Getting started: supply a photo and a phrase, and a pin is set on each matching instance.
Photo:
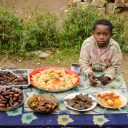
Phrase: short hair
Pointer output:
(103, 22)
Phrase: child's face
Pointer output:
(102, 35)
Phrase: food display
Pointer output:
(13, 78)
(54, 79)
(43, 103)
(111, 99)
(80, 101)
(10, 98)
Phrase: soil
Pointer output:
(27, 6)
(55, 6)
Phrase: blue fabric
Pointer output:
(99, 117)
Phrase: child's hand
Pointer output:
(104, 80)
(93, 79)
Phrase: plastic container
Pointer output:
(75, 68)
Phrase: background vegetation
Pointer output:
(20, 36)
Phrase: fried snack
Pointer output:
(43, 103)
(52, 79)
(110, 99)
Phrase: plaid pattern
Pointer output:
(92, 58)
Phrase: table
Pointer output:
(63, 117)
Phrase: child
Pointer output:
(100, 53)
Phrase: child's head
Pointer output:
(102, 31)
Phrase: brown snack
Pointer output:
(8, 78)
(80, 102)
(72, 103)
(10, 98)
(77, 106)
(43, 103)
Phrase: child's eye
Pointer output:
(98, 34)
(106, 34)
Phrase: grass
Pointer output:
(64, 57)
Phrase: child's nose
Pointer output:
(101, 36)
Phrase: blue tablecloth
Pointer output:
(64, 117)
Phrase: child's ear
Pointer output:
(111, 34)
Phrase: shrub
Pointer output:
(42, 31)
(120, 33)
(78, 25)
(10, 31)
(20, 36)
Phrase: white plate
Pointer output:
(72, 95)
(122, 98)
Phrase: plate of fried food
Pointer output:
(54, 79)
(80, 102)
(111, 99)
(43, 103)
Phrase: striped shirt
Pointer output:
(92, 58)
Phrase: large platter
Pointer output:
(122, 98)
(67, 71)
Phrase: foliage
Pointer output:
(10, 31)
(120, 33)
(21, 36)
(42, 31)
(78, 24)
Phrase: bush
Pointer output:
(42, 31)
(10, 31)
(120, 33)
(20, 36)
(78, 25)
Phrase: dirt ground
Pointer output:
(27, 6)
(57, 7)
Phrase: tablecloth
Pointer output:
(64, 117)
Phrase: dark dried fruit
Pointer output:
(10, 98)
(8, 78)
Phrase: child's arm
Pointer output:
(84, 59)
(115, 63)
